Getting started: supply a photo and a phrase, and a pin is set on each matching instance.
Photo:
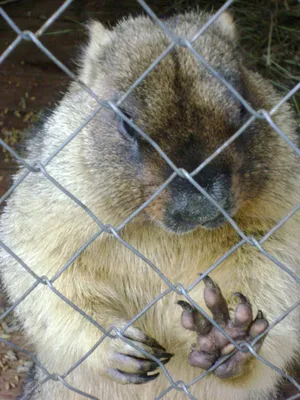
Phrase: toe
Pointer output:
(187, 316)
(228, 369)
(193, 320)
(258, 326)
(206, 344)
(201, 359)
(234, 366)
(243, 312)
(215, 301)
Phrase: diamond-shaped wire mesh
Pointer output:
(40, 167)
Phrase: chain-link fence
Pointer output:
(40, 167)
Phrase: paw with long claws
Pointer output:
(129, 365)
(211, 343)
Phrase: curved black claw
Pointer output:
(126, 378)
(242, 299)
(260, 315)
(142, 365)
(164, 355)
(209, 283)
(153, 343)
(185, 306)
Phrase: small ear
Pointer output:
(227, 24)
(99, 37)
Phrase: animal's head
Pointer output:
(185, 110)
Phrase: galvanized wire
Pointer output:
(39, 166)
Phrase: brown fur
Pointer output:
(189, 114)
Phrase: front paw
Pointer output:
(125, 364)
(211, 343)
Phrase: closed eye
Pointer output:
(127, 130)
(243, 111)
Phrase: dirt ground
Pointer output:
(29, 83)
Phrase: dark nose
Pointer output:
(189, 205)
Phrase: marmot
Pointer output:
(113, 170)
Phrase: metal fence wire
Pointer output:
(40, 167)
